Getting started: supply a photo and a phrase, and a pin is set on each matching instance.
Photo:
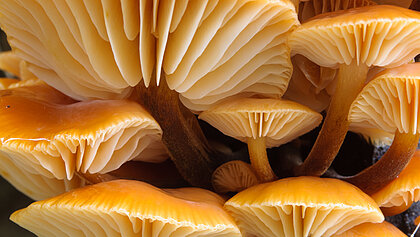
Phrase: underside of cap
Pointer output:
(384, 229)
(56, 140)
(77, 49)
(128, 208)
(302, 206)
(250, 38)
(379, 35)
(101, 49)
(390, 102)
(279, 121)
(33, 185)
(233, 176)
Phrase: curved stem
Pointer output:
(182, 135)
(389, 166)
(351, 79)
(259, 161)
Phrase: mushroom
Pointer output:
(352, 40)
(262, 123)
(129, 208)
(389, 102)
(233, 176)
(302, 206)
(101, 49)
(384, 229)
(398, 195)
(45, 132)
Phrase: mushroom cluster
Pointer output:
(117, 117)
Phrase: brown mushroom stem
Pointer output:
(350, 81)
(182, 135)
(259, 161)
(389, 166)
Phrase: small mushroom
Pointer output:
(262, 123)
(302, 206)
(233, 176)
(129, 208)
(389, 102)
(352, 40)
(398, 195)
(384, 229)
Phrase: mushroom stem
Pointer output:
(389, 166)
(182, 135)
(350, 81)
(259, 161)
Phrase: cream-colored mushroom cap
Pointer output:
(379, 35)
(398, 195)
(84, 49)
(390, 101)
(101, 49)
(211, 50)
(384, 229)
(302, 206)
(129, 208)
(47, 133)
(279, 121)
(233, 176)
(34, 185)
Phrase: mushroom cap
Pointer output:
(33, 185)
(128, 208)
(384, 229)
(53, 137)
(279, 121)
(233, 176)
(390, 101)
(87, 54)
(6, 82)
(302, 206)
(312, 8)
(252, 55)
(77, 49)
(380, 35)
(402, 191)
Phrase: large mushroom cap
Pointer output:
(384, 229)
(379, 35)
(100, 49)
(302, 206)
(390, 101)
(129, 208)
(279, 121)
(55, 137)
(398, 195)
